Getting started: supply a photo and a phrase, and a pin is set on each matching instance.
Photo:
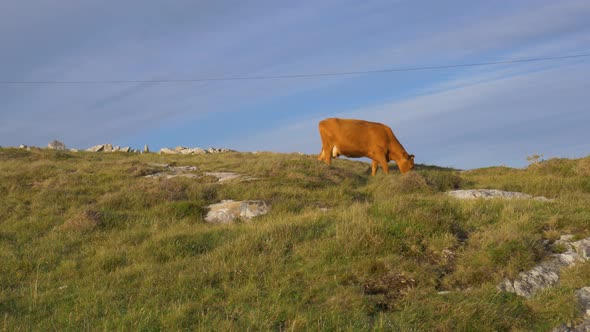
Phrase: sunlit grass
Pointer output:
(88, 243)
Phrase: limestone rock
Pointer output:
(159, 165)
(22, 146)
(168, 151)
(492, 193)
(216, 150)
(146, 149)
(166, 175)
(126, 149)
(56, 145)
(172, 172)
(116, 148)
(198, 151)
(583, 297)
(547, 273)
(229, 211)
(177, 169)
(186, 151)
(96, 148)
(582, 247)
(228, 176)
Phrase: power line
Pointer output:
(342, 73)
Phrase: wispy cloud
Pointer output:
(492, 122)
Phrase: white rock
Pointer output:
(168, 151)
(172, 172)
(547, 273)
(583, 297)
(229, 211)
(96, 148)
(56, 145)
(197, 151)
(227, 176)
(492, 193)
(159, 165)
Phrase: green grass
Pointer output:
(88, 243)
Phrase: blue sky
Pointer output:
(462, 117)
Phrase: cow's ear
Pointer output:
(412, 156)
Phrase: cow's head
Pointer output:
(406, 163)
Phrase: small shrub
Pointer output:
(141, 170)
(534, 159)
(112, 219)
(186, 245)
(384, 286)
(443, 181)
(84, 221)
(173, 189)
(113, 261)
(554, 166)
(9, 154)
(391, 185)
(61, 155)
(582, 167)
(186, 210)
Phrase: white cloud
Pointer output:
(138, 40)
(494, 122)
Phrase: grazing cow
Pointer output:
(358, 138)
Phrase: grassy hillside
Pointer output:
(88, 243)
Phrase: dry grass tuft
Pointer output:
(84, 221)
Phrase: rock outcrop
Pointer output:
(174, 171)
(492, 193)
(169, 172)
(109, 148)
(197, 150)
(229, 211)
(96, 148)
(583, 297)
(229, 176)
(547, 273)
(56, 145)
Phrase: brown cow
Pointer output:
(358, 138)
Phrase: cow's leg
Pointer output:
(328, 159)
(373, 167)
(383, 162)
(326, 154)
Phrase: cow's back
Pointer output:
(355, 138)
